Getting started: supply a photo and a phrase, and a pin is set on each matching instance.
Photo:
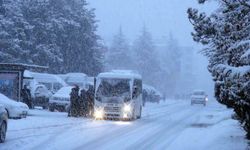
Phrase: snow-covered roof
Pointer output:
(62, 76)
(20, 66)
(90, 80)
(124, 74)
(27, 74)
(75, 77)
(198, 90)
(45, 77)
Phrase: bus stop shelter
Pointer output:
(11, 78)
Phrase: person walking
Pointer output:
(83, 103)
(26, 96)
(74, 102)
(90, 99)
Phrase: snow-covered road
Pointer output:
(173, 125)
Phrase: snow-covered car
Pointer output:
(3, 123)
(150, 94)
(52, 82)
(14, 109)
(199, 97)
(40, 96)
(72, 79)
(39, 92)
(61, 99)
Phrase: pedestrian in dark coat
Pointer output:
(90, 99)
(83, 103)
(74, 102)
(26, 96)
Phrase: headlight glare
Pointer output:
(125, 115)
(127, 108)
(206, 99)
(99, 113)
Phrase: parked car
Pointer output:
(40, 96)
(52, 82)
(15, 110)
(3, 123)
(60, 100)
(150, 94)
(199, 97)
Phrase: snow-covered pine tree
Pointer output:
(59, 34)
(171, 63)
(225, 33)
(118, 56)
(145, 60)
(14, 33)
(43, 46)
(80, 45)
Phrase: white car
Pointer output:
(61, 99)
(199, 97)
(40, 96)
(151, 94)
(15, 110)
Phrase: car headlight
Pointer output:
(99, 113)
(127, 108)
(206, 99)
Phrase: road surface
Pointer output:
(169, 125)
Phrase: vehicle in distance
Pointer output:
(151, 94)
(60, 100)
(40, 96)
(199, 97)
(118, 95)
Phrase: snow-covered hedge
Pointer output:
(225, 33)
(233, 89)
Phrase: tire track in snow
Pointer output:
(56, 130)
(123, 132)
(166, 134)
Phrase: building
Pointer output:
(11, 78)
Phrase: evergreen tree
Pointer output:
(226, 36)
(14, 30)
(44, 50)
(145, 58)
(59, 34)
(81, 48)
(119, 53)
(171, 64)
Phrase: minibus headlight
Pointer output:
(127, 108)
(99, 113)
(206, 99)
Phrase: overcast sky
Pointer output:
(160, 17)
